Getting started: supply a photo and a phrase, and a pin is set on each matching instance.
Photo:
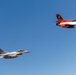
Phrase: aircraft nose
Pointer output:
(26, 51)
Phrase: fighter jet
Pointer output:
(9, 55)
(65, 23)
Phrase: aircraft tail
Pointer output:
(59, 17)
(1, 51)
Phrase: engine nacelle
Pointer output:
(8, 57)
(19, 54)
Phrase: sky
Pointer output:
(31, 25)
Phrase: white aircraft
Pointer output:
(9, 55)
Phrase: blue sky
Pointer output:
(30, 24)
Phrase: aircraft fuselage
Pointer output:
(65, 23)
(8, 55)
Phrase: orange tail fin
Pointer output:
(59, 17)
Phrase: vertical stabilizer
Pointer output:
(59, 18)
(1, 51)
